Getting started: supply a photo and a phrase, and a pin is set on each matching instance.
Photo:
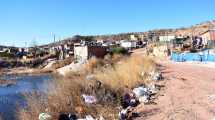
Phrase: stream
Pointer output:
(11, 96)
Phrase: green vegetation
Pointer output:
(7, 55)
(119, 50)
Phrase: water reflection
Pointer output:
(12, 95)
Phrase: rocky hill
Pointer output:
(196, 29)
(184, 31)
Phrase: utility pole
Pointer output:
(54, 36)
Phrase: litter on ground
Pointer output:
(45, 116)
(89, 99)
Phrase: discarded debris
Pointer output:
(156, 76)
(140, 91)
(144, 99)
(128, 100)
(123, 114)
(143, 94)
(90, 77)
(211, 97)
(89, 117)
(69, 116)
(89, 99)
(45, 116)
(127, 114)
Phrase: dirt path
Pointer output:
(185, 95)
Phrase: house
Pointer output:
(208, 37)
(166, 38)
(4, 49)
(83, 53)
(128, 44)
(133, 37)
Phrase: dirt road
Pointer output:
(189, 94)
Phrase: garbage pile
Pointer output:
(69, 116)
(156, 76)
(142, 94)
(96, 92)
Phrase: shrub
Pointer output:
(65, 95)
(126, 73)
(93, 64)
(119, 50)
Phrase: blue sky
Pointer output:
(24, 21)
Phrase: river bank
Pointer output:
(23, 70)
(14, 87)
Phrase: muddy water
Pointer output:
(12, 95)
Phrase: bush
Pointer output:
(107, 86)
(127, 73)
(7, 55)
(65, 97)
(119, 50)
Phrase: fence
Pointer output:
(202, 56)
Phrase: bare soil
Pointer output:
(187, 95)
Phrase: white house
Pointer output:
(128, 44)
(166, 38)
(133, 37)
(83, 53)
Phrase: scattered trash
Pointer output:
(89, 99)
(144, 99)
(140, 91)
(90, 77)
(69, 116)
(127, 114)
(153, 88)
(89, 117)
(143, 94)
(45, 116)
(128, 100)
(211, 97)
(101, 118)
(156, 76)
(123, 114)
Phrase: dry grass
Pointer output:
(65, 96)
(93, 64)
(129, 72)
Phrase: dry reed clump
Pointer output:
(129, 72)
(93, 64)
(65, 95)
(66, 98)
(62, 63)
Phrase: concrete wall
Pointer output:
(203, 56)
(206, 37)
(212, 35)
(96, 51)
(81, 53)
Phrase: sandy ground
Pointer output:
(189, 93)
